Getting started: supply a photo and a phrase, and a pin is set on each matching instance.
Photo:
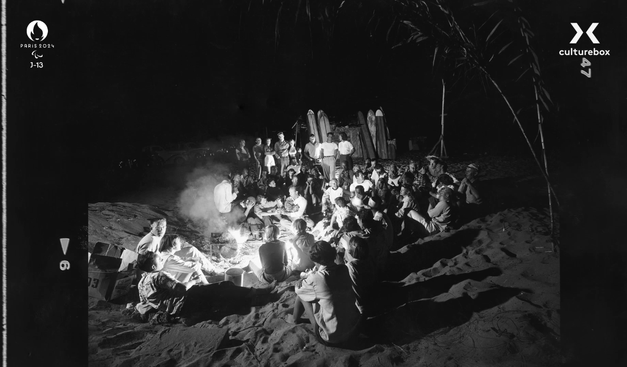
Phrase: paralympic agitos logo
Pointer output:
(577, 37)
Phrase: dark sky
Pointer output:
(179, 71)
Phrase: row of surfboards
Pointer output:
(374, 133)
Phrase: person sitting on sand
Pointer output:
(181, 270)
(272, 257)
(294, 208)
(341, 212)
(267, 210)
(273, 192)
(326, 295)
(435, 169)
(162, 298)
(378, 173)
(152, 241)
(225, 195)
(439, 217)
(380, 230)
(361, 181)
(330, 194)
(362, 272)
(443, 182)
(298, 250)
(312, 194)
(382, 191)
(407, 202)
(470, 188)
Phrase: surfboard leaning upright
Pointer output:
(369, 152)
(325, 126)
(312, 124)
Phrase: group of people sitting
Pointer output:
(342, 230)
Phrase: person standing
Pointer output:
(346, 150)
(281, 150)
(312, 151)
(243, 155)
(268, 160)
(258, 154)
(328, 153)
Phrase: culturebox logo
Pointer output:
(590, 35)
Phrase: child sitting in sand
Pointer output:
(326, 295)
(163, 298)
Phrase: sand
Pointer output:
(487, 293)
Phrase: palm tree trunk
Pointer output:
(544, 172)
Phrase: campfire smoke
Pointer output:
(196, 201)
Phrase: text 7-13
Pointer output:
(38, 64)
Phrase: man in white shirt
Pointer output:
(295, 210)
(312, 151)
(330, 194)
(360, 180)
(328, 153)
(346, 150)
(224, 195)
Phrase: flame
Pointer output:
(238, 236)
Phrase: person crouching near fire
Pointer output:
(163, 299)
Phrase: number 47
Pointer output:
(586, 63)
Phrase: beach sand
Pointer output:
(487, 293)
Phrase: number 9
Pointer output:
(64, 265)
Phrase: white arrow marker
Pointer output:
(64, 243)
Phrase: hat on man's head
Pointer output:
(432, 157)
(279, 133)
(474, 166)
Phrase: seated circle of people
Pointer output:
(337, 260)
(162, 298)
(325, 295)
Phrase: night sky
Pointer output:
(130, 74)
